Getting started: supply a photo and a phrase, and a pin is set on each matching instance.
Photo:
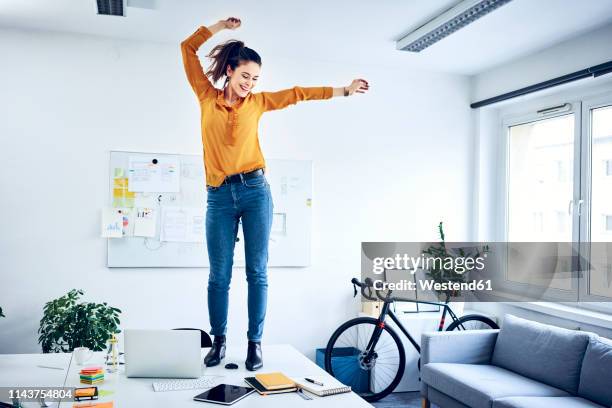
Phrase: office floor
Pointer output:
(401, 399)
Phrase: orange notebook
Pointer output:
(94, 405)
(275, 381)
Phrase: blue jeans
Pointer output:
(251, 202)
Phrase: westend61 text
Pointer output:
(477, 285)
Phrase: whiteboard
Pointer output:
(290, 239)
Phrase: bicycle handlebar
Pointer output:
(368, 284)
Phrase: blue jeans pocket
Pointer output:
(211, 188)
(255, 182)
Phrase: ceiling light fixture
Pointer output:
(447, 23)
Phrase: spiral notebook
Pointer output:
(330, 387)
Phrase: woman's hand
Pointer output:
(358, 85)
(230, 23)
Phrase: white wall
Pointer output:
(388, 166)
(578, 53)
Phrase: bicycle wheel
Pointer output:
(472, 322)
(372, 372)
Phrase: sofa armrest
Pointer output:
(466, 347)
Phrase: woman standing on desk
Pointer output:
(235, 182)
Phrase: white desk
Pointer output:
(138, 392)
(22, 370)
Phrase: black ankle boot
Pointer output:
(216, 353)
(253, 361)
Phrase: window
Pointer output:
(559, 189)
(601, 186)
(538, 153)
(599, 201)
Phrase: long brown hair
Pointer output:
(232, 53)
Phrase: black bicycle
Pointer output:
(368, 355)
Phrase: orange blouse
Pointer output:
(229, 133)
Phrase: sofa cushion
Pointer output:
(442, 400)
(545, 353)
(477, 385)
(596, 374)
(544, 402)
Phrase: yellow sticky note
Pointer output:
(120, 189)
(118, 193)
(120, 183)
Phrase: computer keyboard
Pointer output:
(177, 385)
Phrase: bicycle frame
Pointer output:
(387, 311)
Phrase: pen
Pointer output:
(54, 368)
(314, 382)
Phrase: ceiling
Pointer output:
(347, 31)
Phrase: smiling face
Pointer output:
(244, 78)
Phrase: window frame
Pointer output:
(589, 104)
(525, 116)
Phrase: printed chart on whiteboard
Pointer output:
(156, 213)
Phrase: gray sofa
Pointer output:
(524, 364)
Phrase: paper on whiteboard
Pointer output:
(182, 224)
(111, 223)
(145, 222)
(127, 215)
(154, 174)
(116, 222)
(279, 223)
(192, 171)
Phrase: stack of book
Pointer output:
(276, 383)
(271, 383)
(92, 375)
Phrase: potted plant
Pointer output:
(67, 324)
(441, 274)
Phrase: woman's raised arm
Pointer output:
(193, 68)
(281, 99)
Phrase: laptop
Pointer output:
(162, 353)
